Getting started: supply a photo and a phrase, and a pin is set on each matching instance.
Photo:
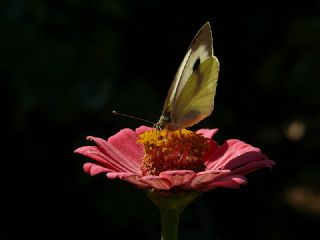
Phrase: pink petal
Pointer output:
(252, 166)
(115, 156)
(136, 181)
(229, 182)
(94, 153)
(178, 177)
(120, 175)
(142, 129)
(213, 148)
(156, 182)
(94, 169)
(246, 154)
(224, 157)
(126, 142)
(129, 177)
(207, 133)
(203, 178)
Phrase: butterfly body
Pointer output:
(191, 95)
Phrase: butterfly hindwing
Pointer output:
(196, 100)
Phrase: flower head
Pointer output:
(172, 150)
(173, 160)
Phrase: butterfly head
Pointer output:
(165, 122)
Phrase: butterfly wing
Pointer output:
(196, 99)
(194, 83)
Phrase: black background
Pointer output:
(65, 65)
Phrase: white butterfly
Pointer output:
(191, 95)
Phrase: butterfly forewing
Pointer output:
(200, 49)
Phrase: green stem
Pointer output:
(169, 223)
(171, 205)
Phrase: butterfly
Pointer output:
(190, 98)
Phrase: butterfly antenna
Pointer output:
(129, 116)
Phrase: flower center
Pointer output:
(172, 150)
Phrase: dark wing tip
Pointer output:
(203, 37)
(205, 28)
(206, 25)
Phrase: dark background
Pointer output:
(65, 65)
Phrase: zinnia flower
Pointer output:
(173, 161)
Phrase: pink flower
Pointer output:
(132, 156)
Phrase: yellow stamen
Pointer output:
(172, 150)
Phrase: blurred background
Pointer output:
(65, 65)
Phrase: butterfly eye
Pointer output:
(196, 64)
